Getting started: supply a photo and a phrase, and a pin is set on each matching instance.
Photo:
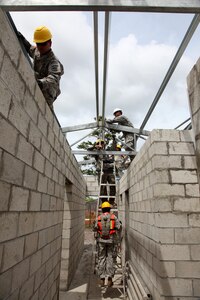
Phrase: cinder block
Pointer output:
(5, 190)
(187, 235)
(12, 78)
(190, 162)
(35, 135)
(161, 205)
(23, 269)
(183, 176)
(176, 287)
(164, 268)
(5, 284)
(187, 204)
(35, 201)
(195, 252)
(27, 73)
(173, 252)
(12, 169)
(42, 183)
(5, 97)
(164, 135)
(158, 148)
(163, 189)
(51, 137)
(27, 289)
(35, 262)
(19, 199)
(45, 148)
(196, 286)
(166, 162)
(38, 162)
(194, 220)
(171, 220)
(192, 190)
(31, 244)
(46, 251)
(45, 203)
(186, 135)
(13, 253)
(1, 55)
(48, 168)
(181, 148)
(188, 269)
(43, 289)
(8, 136)
(42, 124)
(26, 223)
(39, 277)
(166, 235)
(40, 221)
(8, 225)
(30, 178)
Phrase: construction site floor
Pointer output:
(85, 284)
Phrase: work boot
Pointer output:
(110, 283)
(102, 282)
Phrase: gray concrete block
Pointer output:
(5, 190)
(13, 253)
(5, 98)
(13, 169)
(8, 225)
(31, 244)
(19, 199)
(30, 178)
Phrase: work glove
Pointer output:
(109, 121)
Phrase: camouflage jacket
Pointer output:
(48, 70)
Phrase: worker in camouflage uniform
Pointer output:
(108, 171)
(124, 121)
(106, 225)
(48, 69)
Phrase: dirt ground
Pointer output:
(85, 283)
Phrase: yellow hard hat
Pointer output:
(99, 141)
(42, 34)
(118, 146)
(105, 204)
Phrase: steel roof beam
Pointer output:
(127, 129)
(103, 152)
(167, 6)
(96, 64)
(79, 127)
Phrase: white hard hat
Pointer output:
(116, 109)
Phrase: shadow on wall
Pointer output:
(148, 263)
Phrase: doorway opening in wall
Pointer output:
(126, 234)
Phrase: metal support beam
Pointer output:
(177, 57)
(175, 6)
(106, 35)
(96, 64)
(127, 129)
(79, 127)
(103, 152)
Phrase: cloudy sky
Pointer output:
(141, 49)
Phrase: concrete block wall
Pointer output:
(193, 82)
(36, 170)
(92, 185)
(160, 209)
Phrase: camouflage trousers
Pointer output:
(106, 265)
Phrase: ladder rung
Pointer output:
(107, 196)
(108, 184)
